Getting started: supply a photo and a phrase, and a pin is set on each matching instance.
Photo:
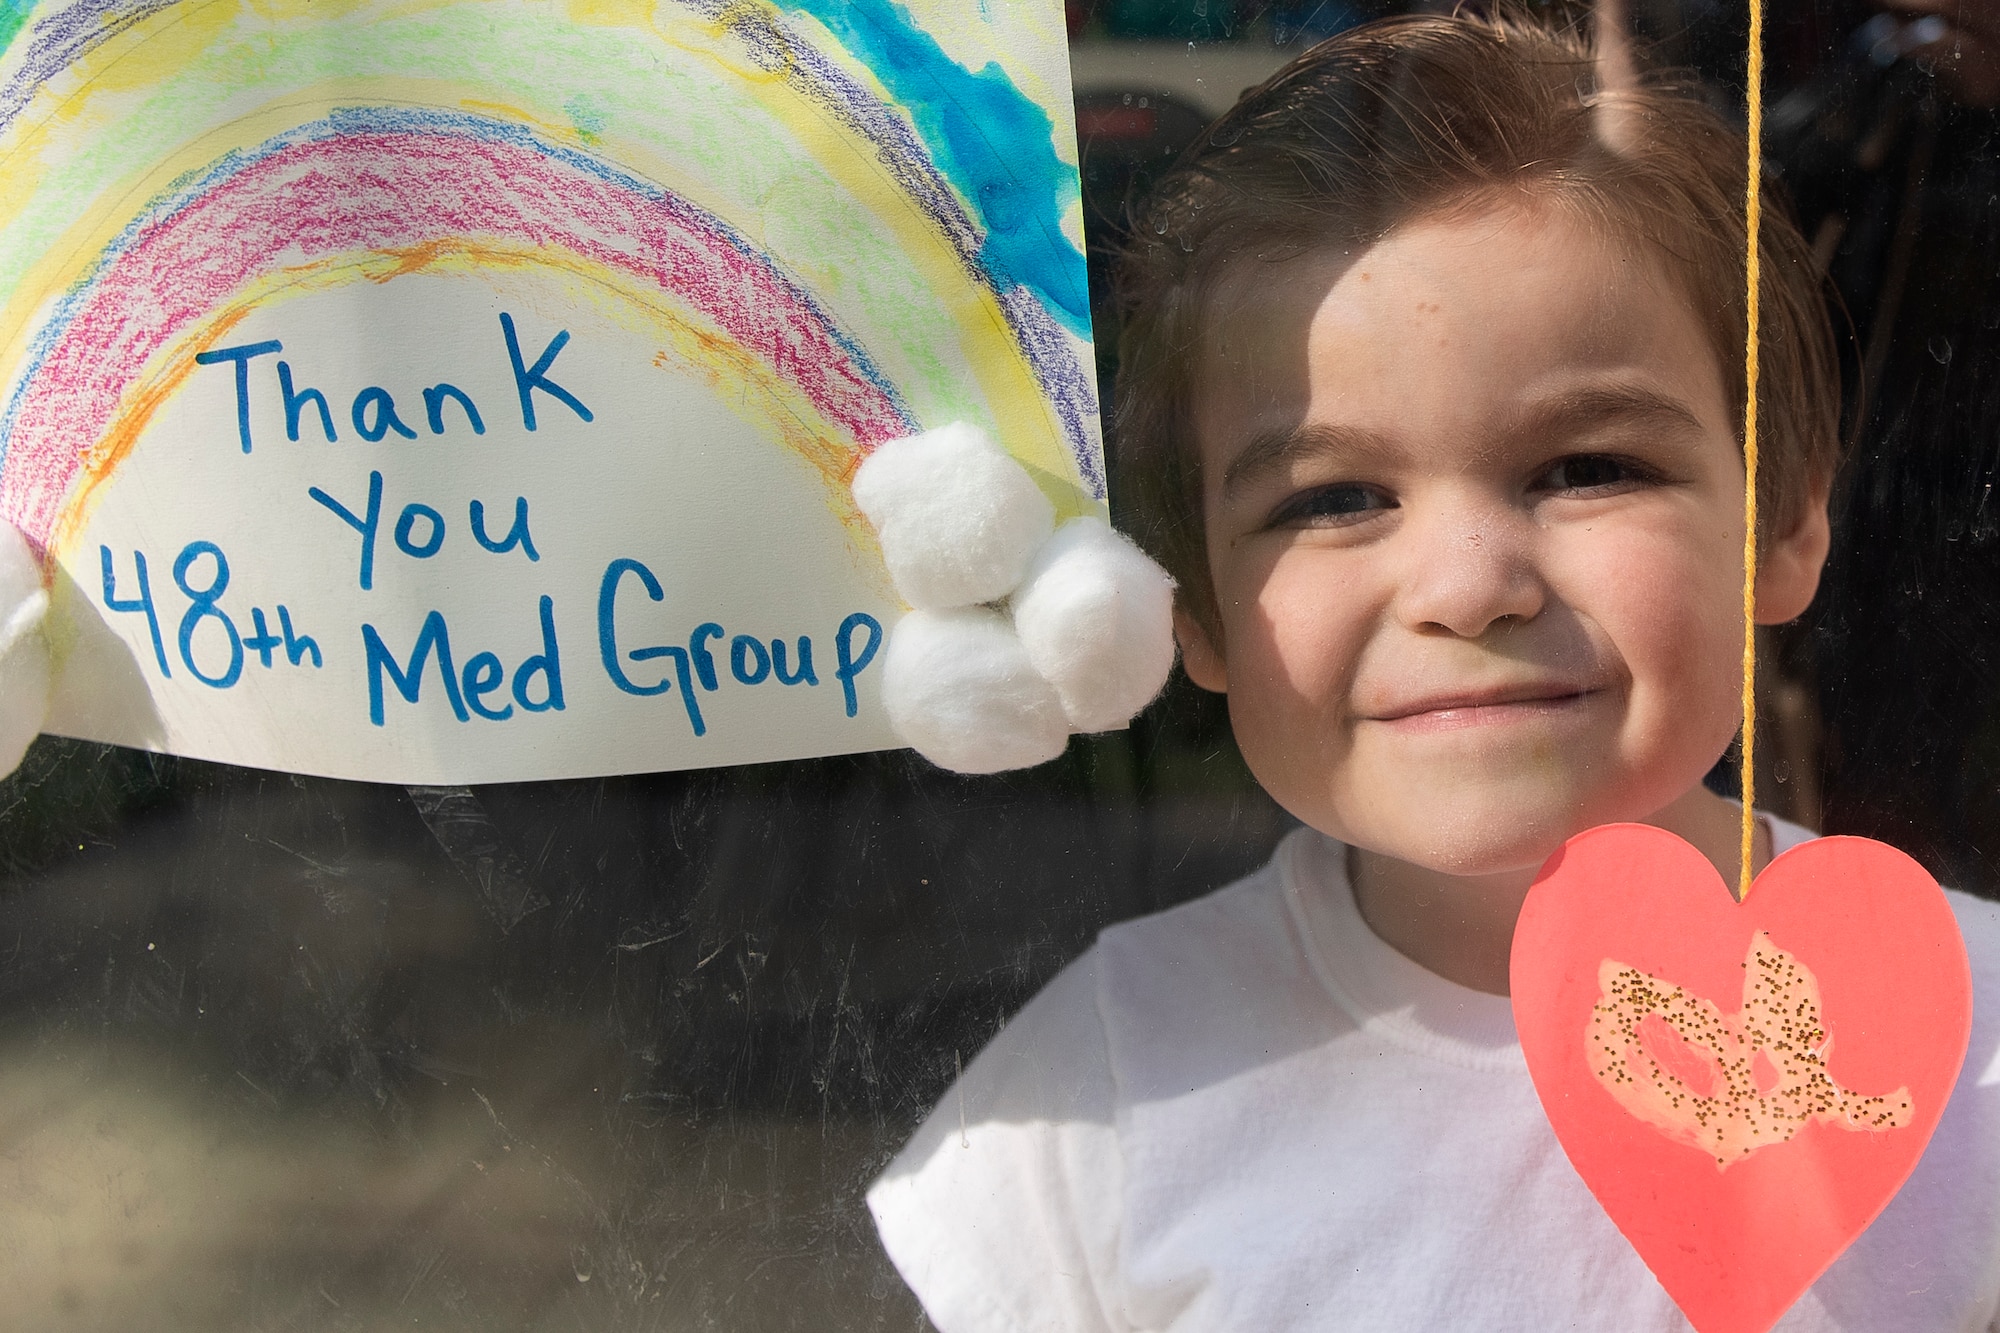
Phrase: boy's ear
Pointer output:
(1200, 657)
(1788, 577)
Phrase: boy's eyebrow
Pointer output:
(1271, 450)
(1598, 404)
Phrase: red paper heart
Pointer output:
(1629, 981)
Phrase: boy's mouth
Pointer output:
(1453, 709)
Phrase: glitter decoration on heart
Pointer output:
(1727, 1084)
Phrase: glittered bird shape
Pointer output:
(1728, 1084)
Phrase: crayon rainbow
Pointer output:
(166, 165)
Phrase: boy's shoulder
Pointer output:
(1245, 914)
(1979, 925)
(1187, 994)
(1975, 914)
(1243, 939)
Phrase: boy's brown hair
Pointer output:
(1408, 117)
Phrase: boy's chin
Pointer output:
(1479, 832)
(1477, 854)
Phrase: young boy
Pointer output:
(1433, 387)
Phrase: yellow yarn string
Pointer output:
(1752, 216)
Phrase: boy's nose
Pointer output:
(1467, 571)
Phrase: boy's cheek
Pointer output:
(1291, 675)
(1306, 610)
(1669, 599)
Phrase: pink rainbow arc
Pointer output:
(397, 181)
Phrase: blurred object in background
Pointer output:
(1295, 24)
(1959, 39)
(1181, 20)
(1125, 139)
(1303, 22)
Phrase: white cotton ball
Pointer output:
(24, 653)
(959, 690)
(957, 517)
(1096, 617)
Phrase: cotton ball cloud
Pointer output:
(958, 519)
(1096, 618)
(959, 689)
(24, 654)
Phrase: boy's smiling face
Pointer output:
(1474, 518)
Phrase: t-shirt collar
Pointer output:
(1380, 989)
(1386, 993)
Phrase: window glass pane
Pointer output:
(627, 1053)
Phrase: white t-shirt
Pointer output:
(1249, 1113)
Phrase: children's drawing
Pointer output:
(469, 390)
(1728, 1084)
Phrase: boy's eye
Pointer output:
(1326, 506)
(1587, 472)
